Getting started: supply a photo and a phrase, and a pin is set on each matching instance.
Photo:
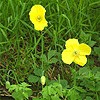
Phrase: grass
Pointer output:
(21, 46)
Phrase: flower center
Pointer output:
(75, 53)
(39, 18)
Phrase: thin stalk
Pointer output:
(97, 96)
(75, 77)
(42, 44)
(13, 74)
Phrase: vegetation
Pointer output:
(27, 54)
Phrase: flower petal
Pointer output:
(37, 9)
(37, 17)
(84, 49)
(40, 26)
(80, 60)
(67, 56)
(72, 43)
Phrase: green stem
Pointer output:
(73, 70)
(13, 74)
(59, 78)
(97, 96)
(75, 77)
(42, 44)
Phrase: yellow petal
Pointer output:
(72, 43)
(67, 56)
(40, 25)
(80, 60)
(37, 17)
(37, 9)
(84, 49)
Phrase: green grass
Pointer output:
(21, 46)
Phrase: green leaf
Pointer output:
(72, 93)
(85, 73)
(55, 97)
(85, 37)
(51, 53)
(45, 92)
(29, 92)
(97, 76)
(88, 98)
(80, 89)
(24, 84)
(91, 43)
(97, 86)
(53, 60)
(38, 71)
(89, 84)
(17, 95)
(13, 87)
(51, 90)
(97, 50)
(64, 83)
(38, 99)
(25, 95)
(33, 78)
(44, 58)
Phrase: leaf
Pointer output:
(13, 87)
(17, 95)
(64, 83)
(55, 97)
(88, 98)
(80, 89)
(72, 93)
(33, 78)
(29, 92)
(24, 84)
(97, 86)
(89, 84)
(53, 60)
(85, 73)
(27, 89)
(85, 37)
(51, 90)
(44, 58)
(51, 53)
(38, 71)
(97, 76)
(45, 92)
(97, 50)
(91, 43)
(38, 99)
(25, 95)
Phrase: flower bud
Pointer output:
(7, 84)
(43, 79)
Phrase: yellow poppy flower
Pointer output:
(43, 79)
(75, 52)
(37, 17)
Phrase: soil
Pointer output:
(6, 98)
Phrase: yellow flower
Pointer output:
(37, 17)
(43, 79)
(75, 52)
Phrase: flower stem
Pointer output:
(42, 44)
(73, 70)
(97, 96)
(75, 76)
